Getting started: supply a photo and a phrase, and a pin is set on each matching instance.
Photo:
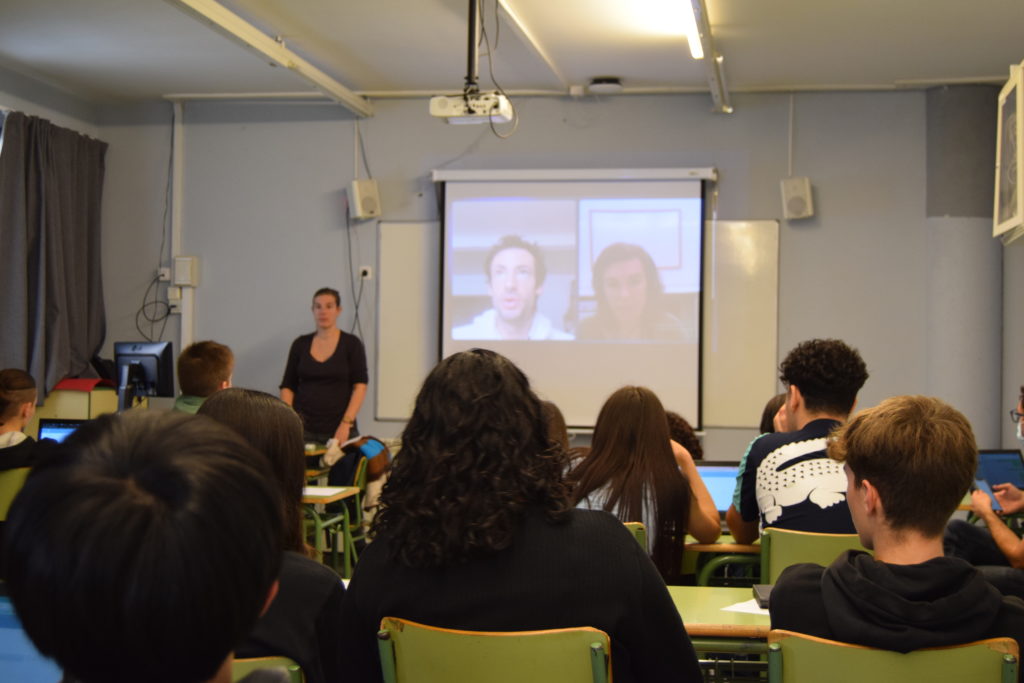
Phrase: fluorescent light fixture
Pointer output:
(692, 8)
(245, 33)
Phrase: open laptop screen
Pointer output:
(720, 478)
(1001, 466)
(19, 659)
(58, 430)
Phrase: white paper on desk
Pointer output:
(747, 607)
(322, 490)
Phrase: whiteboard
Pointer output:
(741, 311)
(740, 338)
(408, 297)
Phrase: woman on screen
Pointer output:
(636, 472)
(475, 531)
(630, 299)
(325, 377)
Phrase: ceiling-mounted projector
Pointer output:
(472, 108)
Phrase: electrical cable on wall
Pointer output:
(165, 227)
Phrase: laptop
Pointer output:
(720, 478)
(58, 430)
(19, 659)
(1001, 466)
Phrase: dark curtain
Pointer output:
(51, 286)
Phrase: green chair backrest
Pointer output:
(639, 532)
(415, 653)
(243, 667)
(781, 548)
(11, 482)
(798, 658)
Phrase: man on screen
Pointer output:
(515, 277)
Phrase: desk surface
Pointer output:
(724, 545)
(311, 495)
(701, 610)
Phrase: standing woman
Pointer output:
(636, 472)
(325, 377)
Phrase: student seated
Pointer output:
(637, 473)
(995, 549)
(908, 463)
(785, 479)
(144, 549)
(476, 532)
(203, 368)
(303, 622)
(17, 405)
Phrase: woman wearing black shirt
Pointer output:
(325, 377)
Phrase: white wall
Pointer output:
(264, 211)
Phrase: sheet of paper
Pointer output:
(747, 607)
(322, 490)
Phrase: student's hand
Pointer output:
(682, 456)
(981, 504)
(1010, 497)
(780, 420)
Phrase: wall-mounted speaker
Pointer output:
(363, 199)
(797, 201)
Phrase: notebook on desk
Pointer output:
(1001, 466)
(720, 478)
(19, 659)
(58, 430)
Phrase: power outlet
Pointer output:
(163, 274)
(365, 273)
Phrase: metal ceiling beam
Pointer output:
(233, 26)
(712, 60)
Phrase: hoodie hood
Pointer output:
(943, 601)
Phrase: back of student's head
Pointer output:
(204, 367)
(919, 453)
(681, 431)
(144, 549)
(631, 458)
(558, 433)
(475, 457)
(768, 414)
(17, 388)
(275, 430)
(828, 373)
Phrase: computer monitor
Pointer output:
(57, 429)
(143, 369)
(19, 659)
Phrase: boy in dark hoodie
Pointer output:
(908, 461)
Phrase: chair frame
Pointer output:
(11, 482)
(242, 667)
(1005, 649)
(599, 646)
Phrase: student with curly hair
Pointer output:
(785, 479)
(637, 473)
(476, 532)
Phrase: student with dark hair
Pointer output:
(476, 532)
(303, 622)
(634, 471)
(772, 420)
(785, 479)
(515, 273)
(17, 406)
(325, 377)
(995, 549)
(203, 368)
(557, 431)
(144, 549)
(630, 298)
(908, 463)
(682, 432)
